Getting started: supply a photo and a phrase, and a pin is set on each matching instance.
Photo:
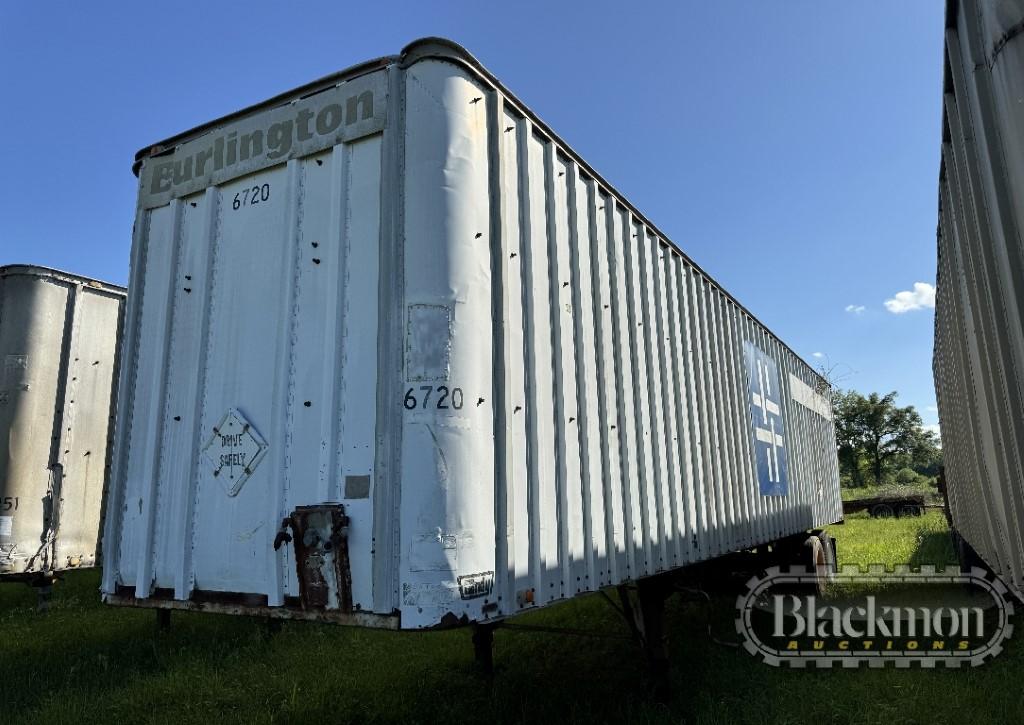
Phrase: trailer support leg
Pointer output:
(483, 647)
(646, 618)
(652, 595)
(44, 593)
(163, 620)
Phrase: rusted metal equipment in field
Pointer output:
(396, 356)
(59, 347)
(890, 505)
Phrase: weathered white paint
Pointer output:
(59, 351)
(546, 396)
(979, 335)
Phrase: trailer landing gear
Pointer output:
(645, 613)
(483, 647)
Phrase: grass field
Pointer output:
(83, 662)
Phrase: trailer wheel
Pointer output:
(829, 546)
(815, 561)
(882, 511)
(910, 510)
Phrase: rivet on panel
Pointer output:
(316, 261)
(319, 162)
(177, 418)
(478, 235)
(475, 100)
(308, 403)
(479, 402)
(512, 256)
(517, 409)
(509, 128)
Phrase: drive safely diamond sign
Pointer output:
(234, 449)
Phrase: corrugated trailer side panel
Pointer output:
(979, 336)
(627, 459)
(59, 346)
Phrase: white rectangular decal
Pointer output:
(345, 112)
(803, 394)
(6, 525)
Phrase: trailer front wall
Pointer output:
(979, 336)
(59, 350)
(444, 320)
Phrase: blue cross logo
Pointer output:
(767, 428)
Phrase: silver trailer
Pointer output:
(59, 348)
(396, 356)
(979, 335)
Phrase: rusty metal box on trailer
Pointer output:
(59, 350)
(397, 356)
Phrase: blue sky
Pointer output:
(790, 148)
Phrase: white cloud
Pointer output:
(922, 296)
(932, 408)
(934, 429)
(817, 354)
(855, 309)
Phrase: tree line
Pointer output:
(880, 443)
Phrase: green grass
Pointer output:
(83, 662)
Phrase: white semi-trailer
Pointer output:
(60, 349)
(396, 356)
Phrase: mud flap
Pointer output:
(319, 535)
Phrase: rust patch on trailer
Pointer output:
(319, 535)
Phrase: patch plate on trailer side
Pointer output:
(233, 450)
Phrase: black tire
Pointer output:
(882, 511)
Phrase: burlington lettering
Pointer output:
(274, 142)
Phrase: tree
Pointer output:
(849, 441)
(873, 430)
